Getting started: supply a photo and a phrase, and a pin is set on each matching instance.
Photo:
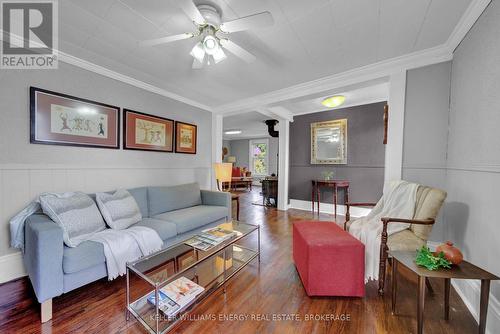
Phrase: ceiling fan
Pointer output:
(211, 32)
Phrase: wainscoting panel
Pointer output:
(328, 208)
(20, 186)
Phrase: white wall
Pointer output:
(473, 178)
(426, 130)
(29, 169)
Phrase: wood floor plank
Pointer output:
(253, 298)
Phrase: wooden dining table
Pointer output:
(332, 184)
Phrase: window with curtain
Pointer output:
(259, 156)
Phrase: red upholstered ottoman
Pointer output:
(329, 260)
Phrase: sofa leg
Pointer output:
(46, 310)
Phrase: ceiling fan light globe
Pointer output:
(219, 55)
(198, 52)
(210, 44)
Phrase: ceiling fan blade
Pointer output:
(191, 11)
(259, 20)
(237, 50)
(168, 39)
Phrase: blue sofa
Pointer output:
(174, 212)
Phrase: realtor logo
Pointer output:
(29, 34)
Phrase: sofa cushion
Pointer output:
(76, 214)
(164, 229)
(141, 197)
(85, 255)
(165, 199)
(190, 218)
(120, 210)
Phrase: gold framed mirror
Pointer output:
(329, 142)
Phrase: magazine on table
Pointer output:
(199, 243)
(165, 304)
(217, 234)
(182, 291)
(210, 238)
(176, 296)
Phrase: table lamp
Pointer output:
(223, 173)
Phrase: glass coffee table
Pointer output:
(210, 269)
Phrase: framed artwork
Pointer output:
(185, 138)
(329, 142)
(60, 119)
(147, 132)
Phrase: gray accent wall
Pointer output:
(26, 170)
(365, 154)
(473, 177)
(426, 130)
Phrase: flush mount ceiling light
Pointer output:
(208, 21)
(232, 132)
(333, 101)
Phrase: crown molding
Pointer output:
(471, 15)
(89, 66)
(376, 70)
(361, 74)
(92, 67)
(276, 112)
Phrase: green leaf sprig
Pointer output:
(425, 258)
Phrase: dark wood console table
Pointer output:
(335, 185)
(464, 270)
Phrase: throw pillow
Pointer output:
(76, 213)
(120, 210)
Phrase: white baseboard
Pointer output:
(470, 293)
(11, 267)
(328, 208)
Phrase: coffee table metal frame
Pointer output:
(207, 256)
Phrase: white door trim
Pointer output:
(283, 163)
(217, 143)
(395, 131)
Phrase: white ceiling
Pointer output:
(251, 124)
(309, 40)
(368, 92)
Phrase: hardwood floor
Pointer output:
(254, 297)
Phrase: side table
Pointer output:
(335, 185)
(464, 270)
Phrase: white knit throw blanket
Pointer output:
(122, 246)
(398, 201)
